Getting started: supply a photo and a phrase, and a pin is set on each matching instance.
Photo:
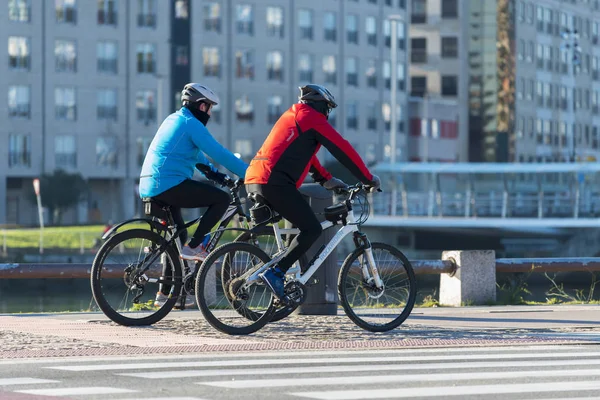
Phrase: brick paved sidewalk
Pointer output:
(90, 334)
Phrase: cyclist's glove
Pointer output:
(376, 182)
(217, 176)
(334, 183)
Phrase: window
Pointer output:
(19, 150)
(419, 12)
(19, 101)
(212, 17)
(418, 50)
(182, 55)
(244, 109)
(65, 55)
(244, 20)
(449, 9)
(142, 144)
(106, 152)
(305, 67)
(386, 112)
(212, 61)
(65, 152)
(274, 109)
(19, 53)
(329, 22)
(371, 73)
(387, 33)
(65, 103)
(371, 30)
(275, 66)
(107, 12)
(352, 28)
(244, 147)
(387, 74)
(107, 104)
(146, 13)
(352, 115)
(19, 10)
(66, 11)
(305, 22)
(275, 21)
(244, 61)
(401, 77)
(181, 9)
(449, 47)
(146, 58)
(329, 69)
(106, 52)
(145, 106)
(371, 117)
(418, 86)
(352, 71)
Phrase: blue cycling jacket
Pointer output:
(179, 144)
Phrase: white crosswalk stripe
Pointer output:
(76, 391)
(506, 373)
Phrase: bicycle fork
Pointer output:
(367, 262)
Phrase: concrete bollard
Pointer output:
(474, 281)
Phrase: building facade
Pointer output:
(438, 106)
(87, 83)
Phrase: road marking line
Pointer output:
(24, 381)
(356, 368)
(76, 391)
(373, 379)
(331, 360)
(505, 388)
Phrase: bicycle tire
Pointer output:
(204, 304)
(96, 278)
(343, 277)
(280, 312)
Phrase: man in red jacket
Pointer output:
(286, 157)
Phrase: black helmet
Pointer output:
(195, 93)
(313, 93)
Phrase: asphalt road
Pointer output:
(515, 372)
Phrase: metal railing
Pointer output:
(421, 267)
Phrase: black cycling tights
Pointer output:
(292, 206)
(194, 194)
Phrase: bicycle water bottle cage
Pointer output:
(336, 213)
(155, 208)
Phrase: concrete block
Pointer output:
(474, 281)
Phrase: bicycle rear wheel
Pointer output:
(373, 309)
(226, 301)
(126, 274)
(265, 239)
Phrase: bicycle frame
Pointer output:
(303, 278)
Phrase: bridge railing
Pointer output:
(465, 276)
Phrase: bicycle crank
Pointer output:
(295, 294)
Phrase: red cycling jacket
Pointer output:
(289, 152)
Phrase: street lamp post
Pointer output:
(394, 19)
(571, 44)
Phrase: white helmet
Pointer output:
(195, 93)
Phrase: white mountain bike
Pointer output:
(376, 282)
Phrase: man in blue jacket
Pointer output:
(180, 143)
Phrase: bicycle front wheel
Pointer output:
(372, 308)
(126, 275)
(228, 302)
